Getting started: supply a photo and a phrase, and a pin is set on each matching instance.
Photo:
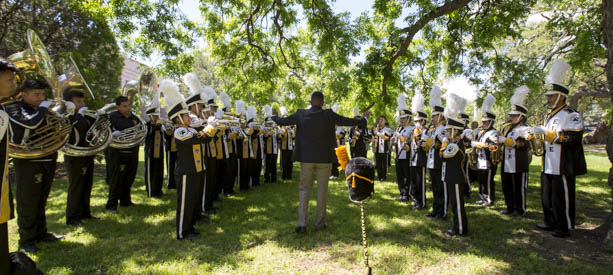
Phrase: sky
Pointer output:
(458, 85)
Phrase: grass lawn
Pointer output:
(253, 234)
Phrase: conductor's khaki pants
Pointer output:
(307, 174)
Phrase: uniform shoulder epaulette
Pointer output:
(182, 133)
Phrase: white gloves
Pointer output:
(70, 107)
(539, 130)
(473, 144)
(501, 139)
(83, 110)
(467, 133)
(46, 104)
(211, 121)
(116, 132)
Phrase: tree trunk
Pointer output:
(607, 31)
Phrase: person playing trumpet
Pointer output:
(516, 158)
(563, 157)
(381, 146)
(433, 143)
(288, 134)
(417, 187)
(154, 150)
(403, 150)
(486, 142)
(271, 143)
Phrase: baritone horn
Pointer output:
(53, 134)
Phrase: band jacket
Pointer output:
(403, 141)
(434, 141)
(381, 139)
(315, 132)
(189, 151)
(25, 119)
(119, 123)
(154, 143)
(489, 137)
(563, 143)
(453, 163)
(418, 154)
(517, 155)
(80, 126)
(358, 138)
(5, 209)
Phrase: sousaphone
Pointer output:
(99, 134)
(49, 138)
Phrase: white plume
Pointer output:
(208, 93)
(401, 100)
(356, 111)
(455, 105)
(435, 97)
(557, 72)
(488, 103)
(219, 114)
(170, 89)
(267, 110)
(519, 95)
(335, 108)
(283, 111)
(193, 83)
(240, 107)
(251, 113)
(225, 100)
(156, 99)
(417, 104)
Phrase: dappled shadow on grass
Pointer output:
(142, 239)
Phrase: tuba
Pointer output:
(50, 137)
(141, 90)
(99, 135)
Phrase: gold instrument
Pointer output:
(472, 157)
(143, 92)
(99, 134)
(496, 153)
(50, 137)
(537, 142)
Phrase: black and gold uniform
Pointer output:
(340, 140)
(454, 178)
(271, 147)
(80, 171)
(515, 167)
(123, 164)
(154, 158)
(288, 134)
(5, 208)
(189, 174)
(33, 176)
(170, 145)
(358, 138)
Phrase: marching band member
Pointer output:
(381, 146)
(466, 138)
(170, 145)
(123, 162)
(358, 139)
(516, 158)
(254, 132)
(453, 163)
(434, 141)
(154, 149)
(271, 143)
(244, 149)
(219, 157)
(338, 131)
(229, 146)
(485, 142)
(33, 176)
(8, 87)
(196, 107)
(403, 149)
(287, 148)
(80, 169)
(419, 158)
(189, 169)
(563, 157)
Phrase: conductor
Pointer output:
(315, 143)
